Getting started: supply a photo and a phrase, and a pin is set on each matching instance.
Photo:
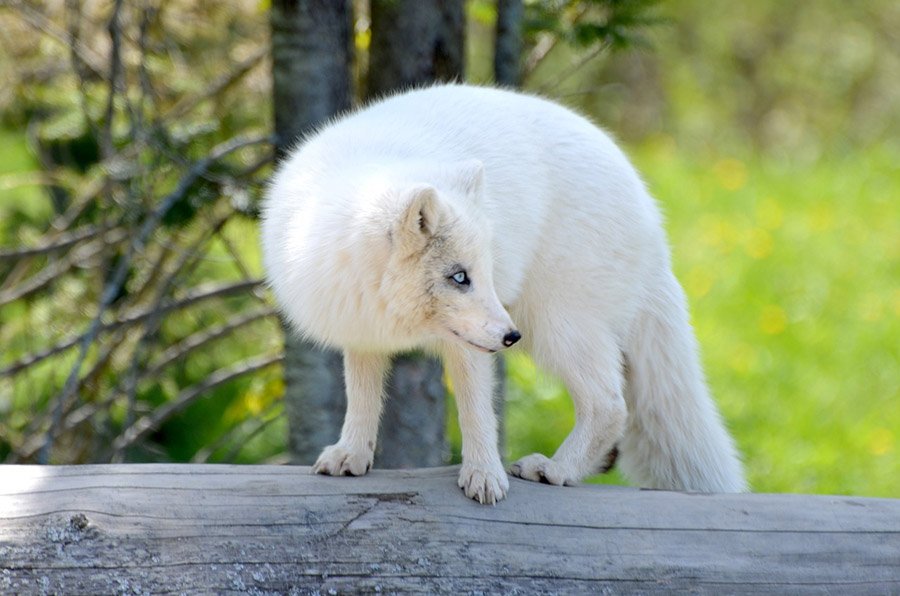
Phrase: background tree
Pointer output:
(508, 43)
(432, 48)
(311, 60)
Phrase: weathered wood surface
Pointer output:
(266, 529)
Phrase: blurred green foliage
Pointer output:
(87, 159)
(615, 24)
(770, 135)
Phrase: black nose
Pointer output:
(511, 338)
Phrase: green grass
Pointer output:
(793, 273)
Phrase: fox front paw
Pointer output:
(540, 468)
(338, 460)
(486, 484)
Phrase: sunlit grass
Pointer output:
(799, 317)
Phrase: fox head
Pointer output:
(439, 277)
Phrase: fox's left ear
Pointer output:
(470, 176)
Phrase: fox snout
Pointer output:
(486, 337)
(480, 320)
(510, 338)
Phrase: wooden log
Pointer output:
(149, 529)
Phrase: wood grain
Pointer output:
(158, 529)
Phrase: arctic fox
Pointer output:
(463, 220)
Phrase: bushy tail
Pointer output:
(675, 438)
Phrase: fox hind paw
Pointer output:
(540, 468)
(484, 483)
(337, 460)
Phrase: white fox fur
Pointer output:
(455, 218)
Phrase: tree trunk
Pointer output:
(311, 56)
(414, 424)
(508, 43)
(314, 397)
(414, 42)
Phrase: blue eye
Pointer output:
(461, 278)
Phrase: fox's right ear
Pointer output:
(419, 217)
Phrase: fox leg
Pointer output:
(355, 450)
(482, 476)
(593, 374)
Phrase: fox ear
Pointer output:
(420, 215)
(470, 174)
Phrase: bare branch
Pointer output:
(147, 93)
(574, 68)
(244, 431)
(180, 268)
(79, 67)
(235, 253)
(199, 294)
(38, 21)
(225, 81)
(537, 54)
(64, 402)
(546, 44)
(40, 423)
(58, 227)
(199, 339)
(176, 352)
(90, 190)
(59, 267)
(34, 178)
(115, 70)
(204, 293)
(151, 422)
(33, 359)
(61, 242)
